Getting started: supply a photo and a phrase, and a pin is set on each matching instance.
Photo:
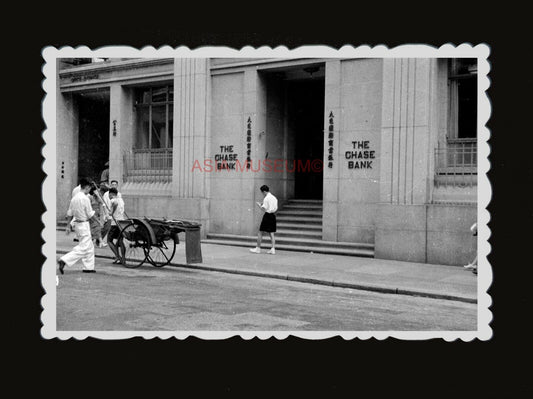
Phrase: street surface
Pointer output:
(178, 299)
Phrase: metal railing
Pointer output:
(456, 165)
(148, 165)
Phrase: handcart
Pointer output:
(155, 241)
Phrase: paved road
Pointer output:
(174, 299)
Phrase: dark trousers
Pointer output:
(105, 228)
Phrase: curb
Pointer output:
(308, 280)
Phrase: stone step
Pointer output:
(308, 242)
(295, 212)
(316, 220)
(300, 226)
(361, 252)
(302, 207)
(310, 200)
(316, 234)
(304, 202)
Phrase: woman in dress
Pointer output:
(268, 223)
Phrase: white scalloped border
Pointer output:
(48, 272)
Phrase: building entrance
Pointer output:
(305, 118)
(93, 134)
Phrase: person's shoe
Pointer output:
(61, 265)
(103, 245)
(89, 271)
(272, 252)
(255, 250)
(474, 271)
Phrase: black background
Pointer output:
(361, 368)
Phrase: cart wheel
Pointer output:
(133, 244)
(161, 253)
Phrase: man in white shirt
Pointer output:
(80, 212)
(268, 223)
(107, 208)
(116, 213)
(75, 191)
(113, 184)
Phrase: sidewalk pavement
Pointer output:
(386, 276)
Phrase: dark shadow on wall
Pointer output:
(93, 135)
(305, 102)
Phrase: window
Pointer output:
(154, 108)
(462, 81)
(151, 157)
(456, 158)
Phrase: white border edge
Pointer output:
(48, 301)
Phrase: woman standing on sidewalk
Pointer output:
(268, 223)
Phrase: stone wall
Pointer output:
(66, 151)
(392, 108)
(229, 199)
(351, 188)
(430, 233)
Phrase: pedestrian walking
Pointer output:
(113, 184)
(116, 213)
(104, 176)
(105, 215)
(75, 191)
(80, 213)
(473, 265)
(107, 207)
(268, 224)
(96, 222)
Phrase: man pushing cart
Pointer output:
(137, 240)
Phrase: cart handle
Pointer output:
(97, 191)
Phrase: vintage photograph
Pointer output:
(266, 192)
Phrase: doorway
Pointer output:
(305, 117)
(93, 134)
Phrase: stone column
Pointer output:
(190, 141)
(190, 125)
(406, 158)
(255, 111)
(121, 129)
(67, 127)
(405, 131)
(331, 175)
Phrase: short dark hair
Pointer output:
(264, 188)
(113, 181)
(113, 190)
(84, 182)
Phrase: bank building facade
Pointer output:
(367, 156)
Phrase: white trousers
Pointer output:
(84, 251)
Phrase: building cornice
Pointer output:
(114, 66)
(263, 62)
